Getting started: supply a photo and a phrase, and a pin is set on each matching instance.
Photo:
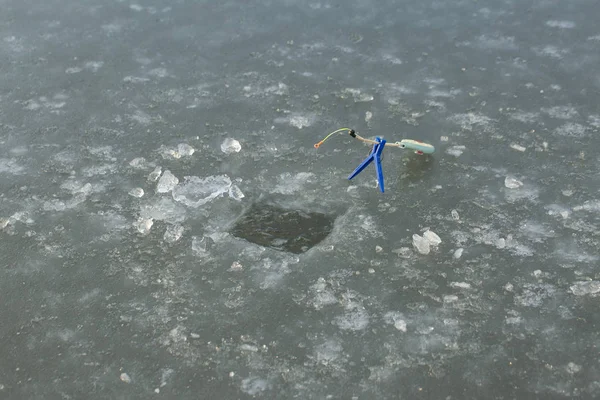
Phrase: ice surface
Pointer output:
(421, 244)
(230, 146)
(195, 192)
(167, 182)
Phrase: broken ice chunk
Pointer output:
(167, 182)
(432, 238)
(455, 215)
(195, 191)
(230, 145)
(154, 175)
(458, 253)
(173, 233)
(421, 244)
(512, 183)
(235, 193)
(143, 225)
(400, 325)
(139, 163)
(185, 149)
(136, 192)
(125, 378)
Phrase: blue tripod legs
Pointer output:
(374, 155)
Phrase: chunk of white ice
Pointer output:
(195, 191)
(143, 225)
(173, 233)
(432, 238)
(512, 183)
(458, 253)
(154, 175)
(185, 149)
(167, 182)
(235, 193)
(136, 192)
(421, 244)
(230, 145)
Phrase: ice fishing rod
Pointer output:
(377, 149)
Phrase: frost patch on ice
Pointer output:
(471, 120)
(297, 120)
(455, 151)
(328, 352)
(561, 112)
(163, 209)
(594, 120)
(586, 288)
(561, 24)
(397, 319)
(354, 320)
(321, 294)
(10, 166)
(496, 42)
(533, 295)
(230, 146)
(526, 117)
(291, 183)
(254, 385)
(550, 51)
(571, 129)
(195, 192)
(356, 94)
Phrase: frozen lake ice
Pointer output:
(167, 228)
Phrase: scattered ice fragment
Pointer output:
(460, 285)
(450, 298)
(3, 223)
(236, 266)
(573, 368)
(378, 249)
(501, 243)
(400, 325)
(567, 192)
(537, 273)
(143, 225)
(432, 238)
(138, 163)
(509, 287)
(455, 215)
(455, 151)
(421, 244)
(231, 374)
(173, 233)
(125, 378)
(185, 149)
(586, 287)
(458, 253)
(371, 271)
(561, 24)
(230, 145)
(136, 192)
(235, 193)
(154, 175)
(512, 183)
(167, 182)
(195, 191)
(517, 147)
(368, 116)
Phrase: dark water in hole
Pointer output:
(288, 230)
